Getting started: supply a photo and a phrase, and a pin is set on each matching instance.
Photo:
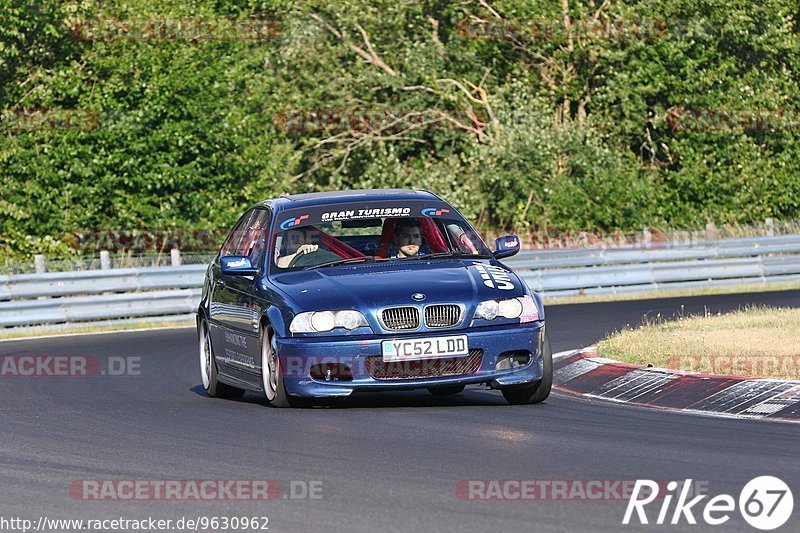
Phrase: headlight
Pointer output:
(323, 321)
(350, 319)
(510, 308)
(523, 308)
(320, 321)
(487, 310)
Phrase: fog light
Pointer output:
(510, 360)
(331, 372)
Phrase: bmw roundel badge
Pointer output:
(418, 296)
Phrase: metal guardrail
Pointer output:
(556, 273)
(66, 297)
(100, 281)
(87, 308)
(657, 252)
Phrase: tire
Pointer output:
(541, 389)
(271, 373)
(208, 367)
(446, 391)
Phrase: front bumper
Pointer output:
(299, 354)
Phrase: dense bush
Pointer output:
(523, 132)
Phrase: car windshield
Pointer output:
(324, 244)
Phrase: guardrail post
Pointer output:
(175, 255)
(647, 237)
(770, 227)
(711, 233)
(105, 260)
(38, 262)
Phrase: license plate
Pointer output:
(410, 349)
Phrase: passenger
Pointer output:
(296, 242)
(407, 240)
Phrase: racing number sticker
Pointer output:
(494, 277)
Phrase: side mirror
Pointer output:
(506, 246)
(237, 265)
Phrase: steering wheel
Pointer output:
(321, 255)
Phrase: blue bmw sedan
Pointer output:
(324, 294)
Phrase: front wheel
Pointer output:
(540, 390)
(271, 373)
(208, 367)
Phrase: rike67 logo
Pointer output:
(765, 503)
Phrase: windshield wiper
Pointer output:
(364, 259)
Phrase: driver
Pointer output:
(296, 242)
(407, 239)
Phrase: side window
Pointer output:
(254, 239)
(249, 237)
(235, 236)
(462, 237)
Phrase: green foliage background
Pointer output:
(566, 137)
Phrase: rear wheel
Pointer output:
(271, 373)
(208, 368)
(540, 390)
(446, 391)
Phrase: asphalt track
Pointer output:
(386, 462)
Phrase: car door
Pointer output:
(234, 315)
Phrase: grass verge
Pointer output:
(756, 341)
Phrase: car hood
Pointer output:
(375, 285)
